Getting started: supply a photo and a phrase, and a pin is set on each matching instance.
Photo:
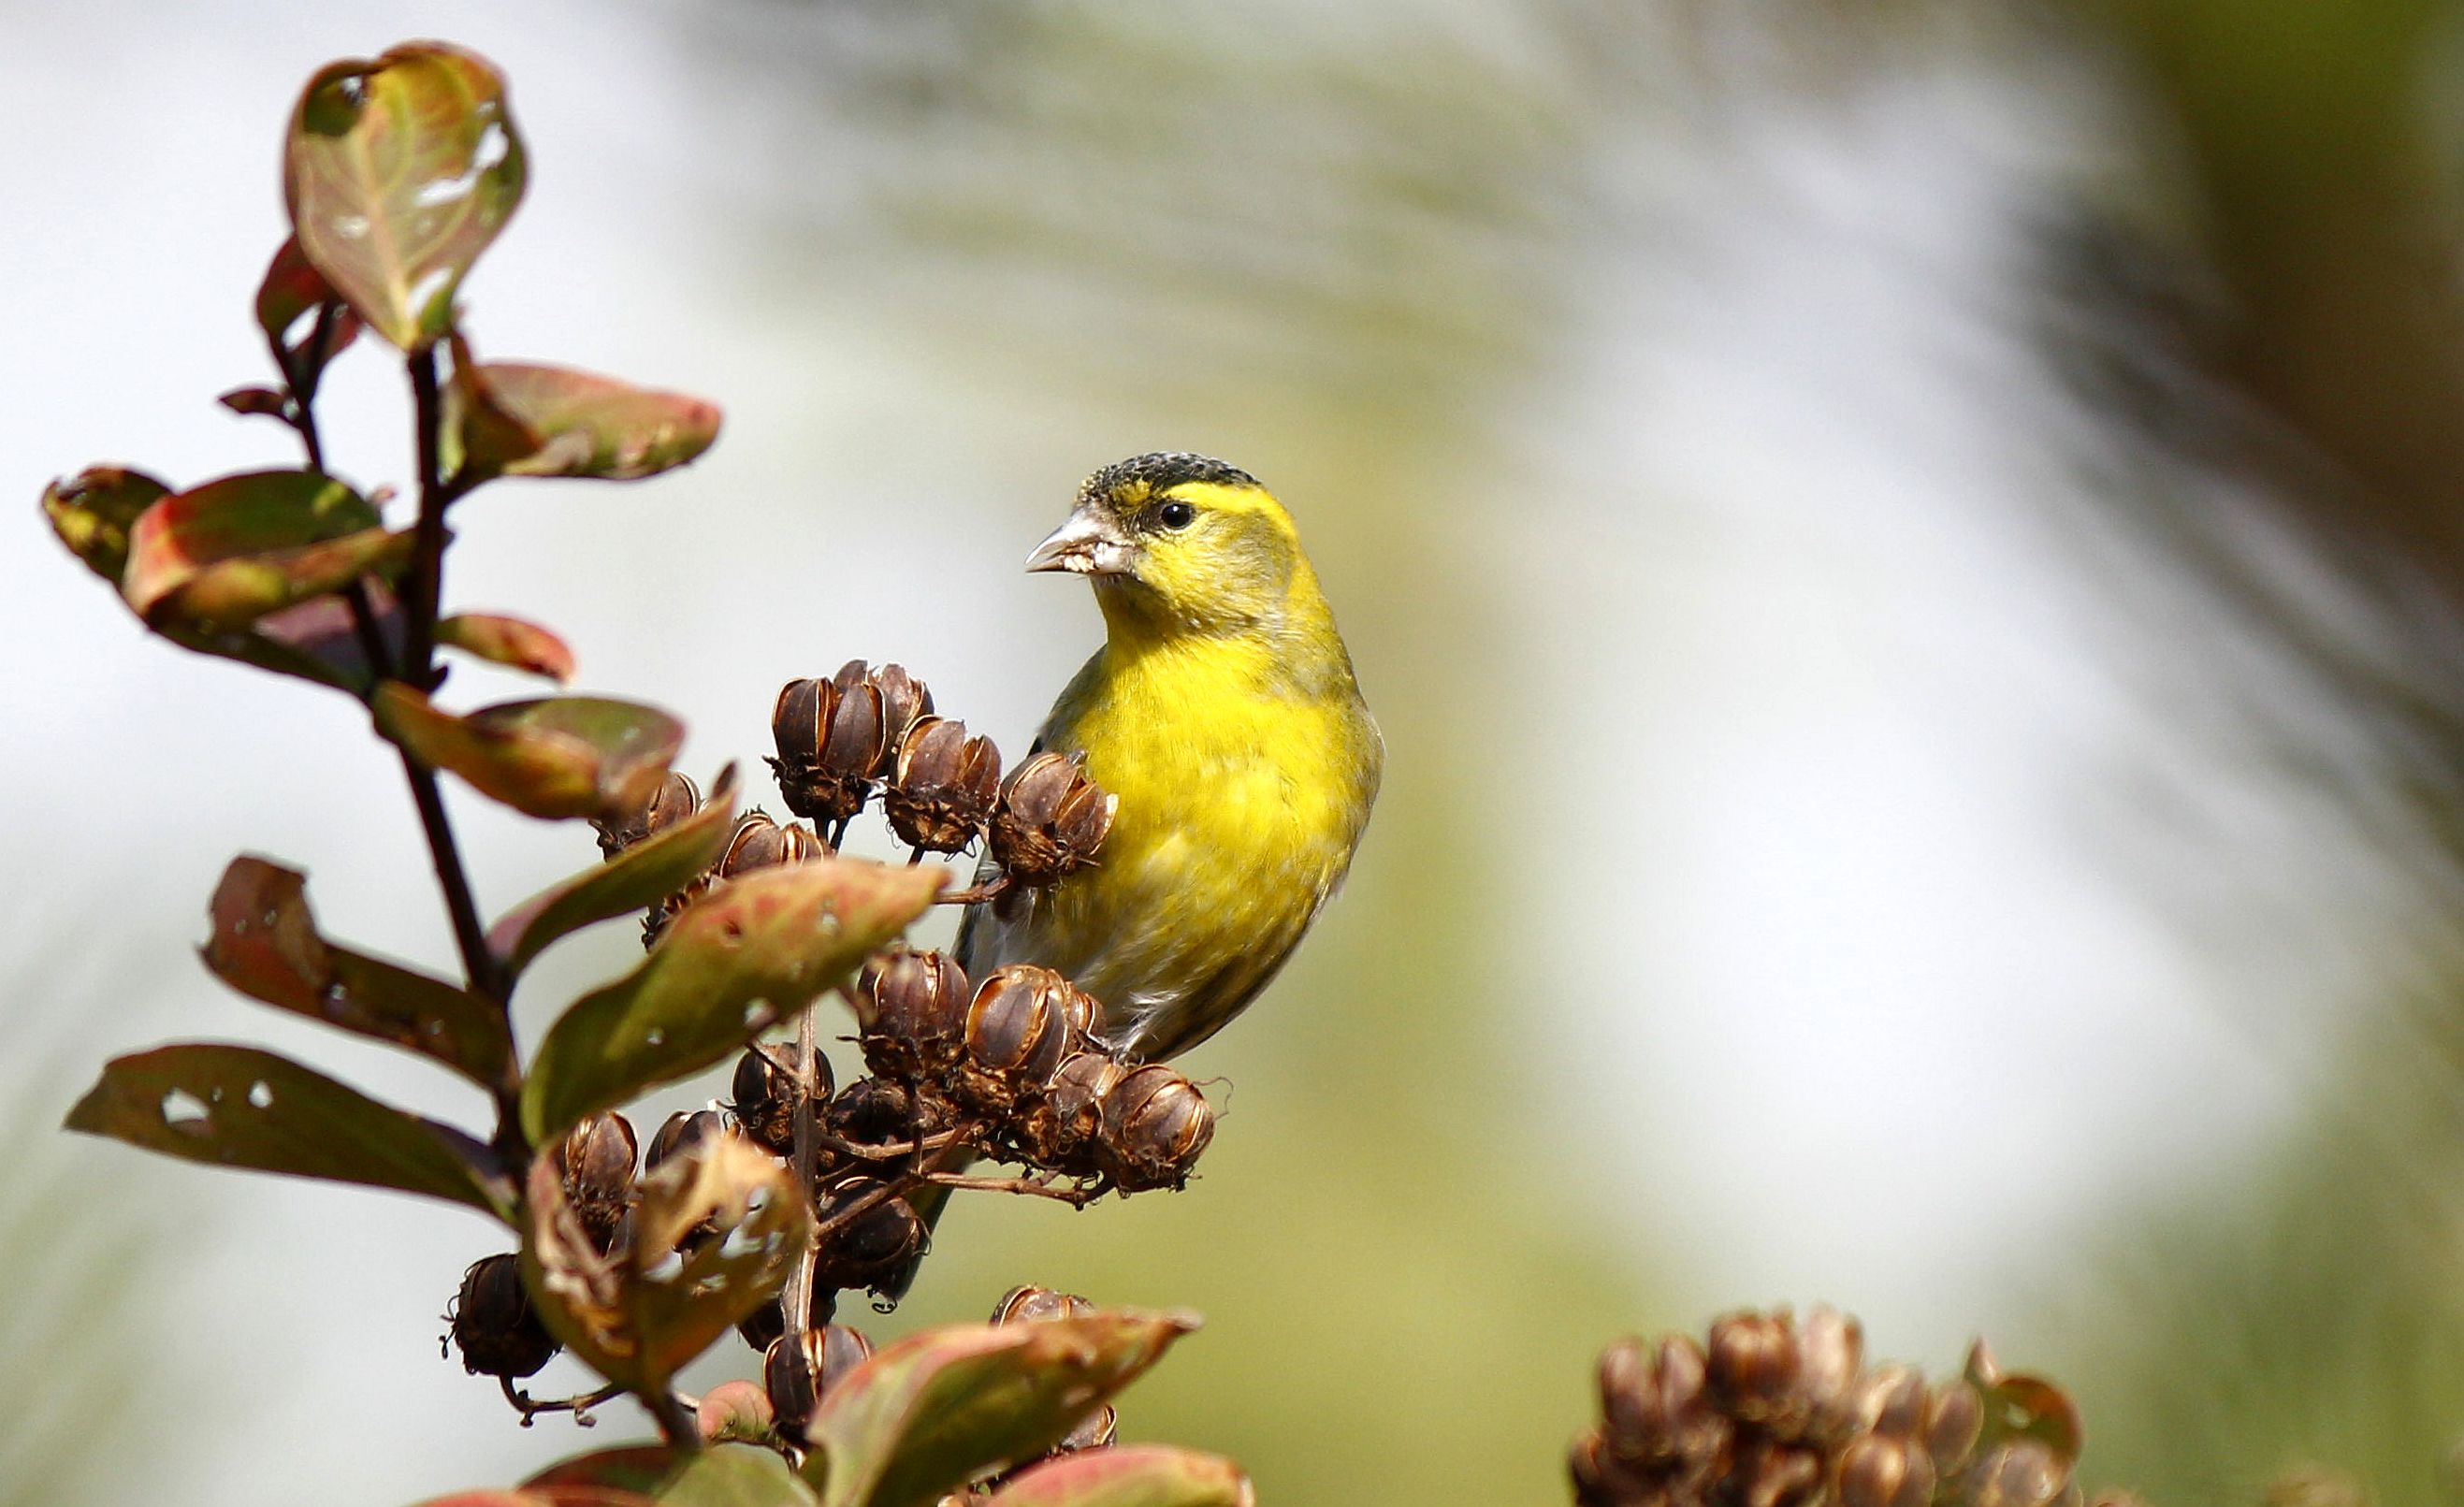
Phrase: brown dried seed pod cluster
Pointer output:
(671, 801)
(837, 737)
(943, 785)
(1052, 819)
(1779, 1413)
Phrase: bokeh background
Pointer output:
(1908, 555)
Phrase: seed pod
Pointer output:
(871, 1246)
(1830, 1352)
(684, 1131)
(1095, 1431)
(1767, 1473)
(1051, 820)
(915, 1025)
(674, 798)
(1751, 1365)
(1954, 1416)
(1059, 1128)
(494, 1327)
(2018, 1472)
(1889, 1400)
(1882, 1471)
(758, 842)
(943, 785)
(831, 738)
(1019, 1028)
(1652, 1402)
(797, 1370)
(762, 1326)
(903, 699)
(1603, 1479)
(596, 1158)
(767, 1094)
(1026, 1304)
(1154, 1125)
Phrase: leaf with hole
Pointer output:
(398, 173)
(266, 946)
(239, 1106)
(641, 876)
(750, 954)
(1133, 1476)
(714, 1233)
(525, 419)
(217, 557)
(559, 756)
(510, 642)
(934, 1410)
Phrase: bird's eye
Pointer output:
(1176, 514)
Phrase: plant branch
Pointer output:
(677, 1424)
(796, 1303)
(426, 579)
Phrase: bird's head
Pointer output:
(1179, 542)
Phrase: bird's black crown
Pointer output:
(1145, 476)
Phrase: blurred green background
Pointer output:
(1907, 556)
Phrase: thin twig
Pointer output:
(1080, 1194)
(905, 1183)
(427, 550)
(678, 1424)
(796, 1303)
(579, 1407)
(977, 894)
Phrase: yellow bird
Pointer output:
(1222, 710)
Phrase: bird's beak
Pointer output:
(1086, 544)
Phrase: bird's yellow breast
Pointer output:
(1242, 795)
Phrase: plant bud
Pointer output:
(1060, 1128)
(1051, 820)
(596, 1158)
(767, 1094)
(1019, 1027)
(797, 1370)
(1751, 1365)
(1027, 1304)
(494, 1327)
(686, 1130)
(1881, 1471)
(671, 801)
(903, 699)
(943, 785)
(1954, 1416)
(872, 1245)
(1154, 1125)
(915, 1025)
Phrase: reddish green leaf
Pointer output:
(561, 756)
(219, 557)
(93, 512)
(938, 1408)
(522, 419)
(544, 1497)
(638, 1313)
(509, 642)
(265, 945)
(293, 288)
(753, 951)
(1134, 1475)
(399, 172)
(641, 1468)
(736, 1475)
(642, 875)
(239, 1106)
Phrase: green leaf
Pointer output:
(714, 1233)
(935, 1408)
(1134, 1475)
(544, 1496)
(239, 1106)
(219, 557)
(752, 953)
(510, 642)
(642, 875)
(525, 419)
(398, 173)
(640, 1468)
(93, 512)
(561, 756)
(736, 1475)
(265, 945)
(313, 640)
